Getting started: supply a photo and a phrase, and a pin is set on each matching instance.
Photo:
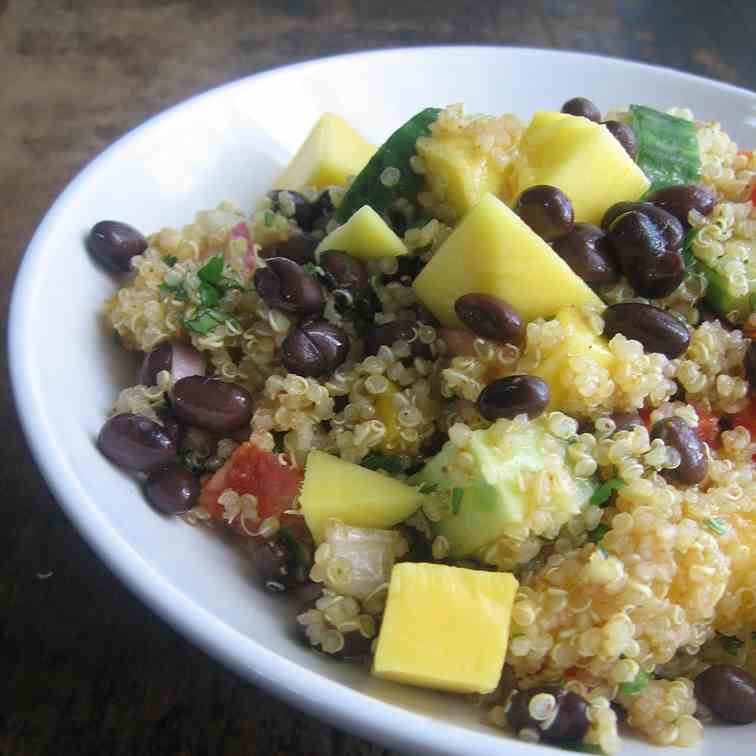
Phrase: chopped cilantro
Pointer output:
(268, 219)
(636, 685)
(212, 271)
(598, 532)
(209, 295)
(604, 553)
(278, 438)
(378, 461)
(730, 644)
(312, 268)
(177, 292)
(603, 493)
(691, 262)
(716, 525)
(206, 319)
(456, 499)
(170, 260)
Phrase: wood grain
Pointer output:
(84, 667)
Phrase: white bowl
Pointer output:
(229, 144)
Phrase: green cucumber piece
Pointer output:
(667, 147)
(367, 188)
(736, 308)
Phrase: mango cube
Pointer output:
(365, 235)
(580, 343)
(335, 488)
(583, 159)
(332, 152)
(459, 171)
(493, 252)
(445, 628)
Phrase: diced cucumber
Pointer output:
(368, 188)
(667, 147)
(495, 493)
(734, 307)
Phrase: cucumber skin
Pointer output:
(667, 147)
(396, 152)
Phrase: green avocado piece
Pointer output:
(367, 188)
(493, 493)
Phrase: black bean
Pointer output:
(342, 271)
(694, 461)
(211, 404)
(113, 244)
(300, 249)
(681, 199)
(656, 329)
(275, 565)
(582, 106)
(305, 213)
(653, 267)
(135, 442)
(286, 286)
(173, 489)
(491, 318)
(750, 364)
(387, 334)
(729, 691)
(625, 421)
(314, 349)
(665, 222)
(171, 426)
(588, 252)
(547, 210)
(155, 362)
(512, 396)
(571, 722)
(625, 135)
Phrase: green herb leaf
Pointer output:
(170, 260)
(716, 525)
(378, 461)
(278, 438)
(212, 270)
(636, 685)
(312, 268)
(177, 292)
(730, 644)
(456, 499)
(603, 493)
(209, 294)
(604, 553)
(598, 532)
(691, 261)
(206, 319)
(268, 217)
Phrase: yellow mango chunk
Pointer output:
(560, 366)
(459, 171)
(332, 152)
(493, 252)
(335, 488)
(365, 235)
(445, 627)
(583, 159)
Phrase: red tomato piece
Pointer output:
(708, 427)
(747, 418)
(250, 470)
(753, 195)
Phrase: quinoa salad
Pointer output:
(481, 400)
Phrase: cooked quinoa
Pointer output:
(632, 580)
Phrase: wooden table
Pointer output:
(84, 667)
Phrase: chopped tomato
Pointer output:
(250, 470)
(645, 414)
(708, 427)
(747, 418)
(753, 195)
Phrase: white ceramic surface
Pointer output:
(229, 144)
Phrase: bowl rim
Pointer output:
(377, 720)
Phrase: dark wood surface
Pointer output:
(84, 667)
